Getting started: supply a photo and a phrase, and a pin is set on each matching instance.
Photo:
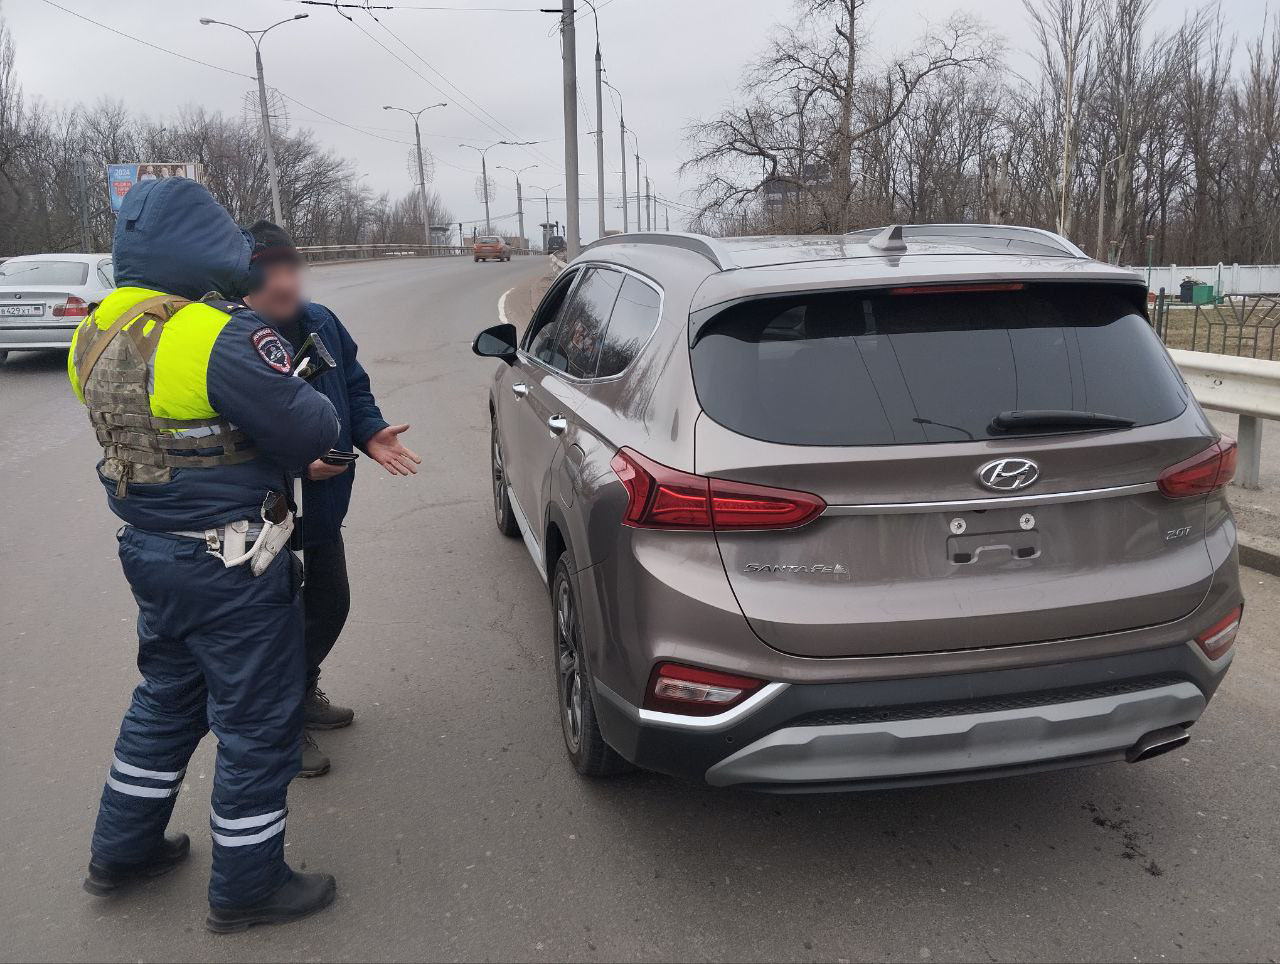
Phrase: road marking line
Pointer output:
(502, 306)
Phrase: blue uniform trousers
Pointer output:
(218, 649)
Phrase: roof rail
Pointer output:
(1001, 232)
(709, 248)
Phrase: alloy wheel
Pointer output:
(569, 667)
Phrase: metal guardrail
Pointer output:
(1250, 387)
(368, 252)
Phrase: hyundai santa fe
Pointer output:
(912, 505)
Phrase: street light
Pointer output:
(622, 138)
(519, 193)
(484, 171)
(546, 200)
(256, 36)
(422, 177)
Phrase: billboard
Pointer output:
(121, 177)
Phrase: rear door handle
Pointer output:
(519, 389)
(557, 424)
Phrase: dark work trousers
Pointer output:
(327, 599)
(218, 649)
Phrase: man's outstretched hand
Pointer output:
(385, 449)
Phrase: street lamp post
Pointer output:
(422, 176)
(546, 220)
(622, 139)
(599, 124)
(256, 36)
(519, 194)
(484, 172)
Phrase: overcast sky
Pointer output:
(499, 71)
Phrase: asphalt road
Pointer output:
(453, 823)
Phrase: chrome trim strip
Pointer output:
(706, 724)
(1003, 502)
(530, 540)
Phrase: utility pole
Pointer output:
(267, 147)
(462, 237)
(648, 203)
(422, 177)
(546, 217)
(569, 47)
(599, 132)
(622, 154)
(667, 211)
(519, 193)
(639, 220)
(84, 207)
(484, 172)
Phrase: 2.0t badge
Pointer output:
(1008, 475)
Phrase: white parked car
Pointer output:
(43, 297)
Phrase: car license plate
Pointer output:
(21, 311)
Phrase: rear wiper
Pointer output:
(1056, 419)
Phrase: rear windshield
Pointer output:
(898, 366)
(17, 274)
(489, 240)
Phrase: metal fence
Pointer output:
(1241, 325)
(369, 252)
(1227, 279)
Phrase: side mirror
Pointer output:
(497, 342)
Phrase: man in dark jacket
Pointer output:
(326, 488)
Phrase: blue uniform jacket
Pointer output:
(325, 503)
(172, 236)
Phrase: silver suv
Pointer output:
(917, 504)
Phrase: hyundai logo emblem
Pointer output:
(1007, 475)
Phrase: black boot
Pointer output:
(108, 877)
(301, 896)
(314, 762)
(320, 714)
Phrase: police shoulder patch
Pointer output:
(268, 343)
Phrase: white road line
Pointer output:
(502, 306)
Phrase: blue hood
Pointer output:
(172, 236)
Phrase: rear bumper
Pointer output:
(37, 335)
(868, 735)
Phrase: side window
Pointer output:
(539, 337)
(105, 273)
(583, 322)
(635, 316)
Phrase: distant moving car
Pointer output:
(556, 244)
(43, 297)
(919, 504)
(492, 248)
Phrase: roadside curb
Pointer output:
(1259, 552)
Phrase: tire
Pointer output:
(503, 514)
(590, 755)
(4, 356)
(477, 260)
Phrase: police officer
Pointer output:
(200, 423)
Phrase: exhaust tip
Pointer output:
(1157, 742)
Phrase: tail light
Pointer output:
(73, 307)
(691, 691)
(664, 498)
(1202, 473)
(1217, 639)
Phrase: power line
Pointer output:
(503, 130)
(148, 43)
(415, 6)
